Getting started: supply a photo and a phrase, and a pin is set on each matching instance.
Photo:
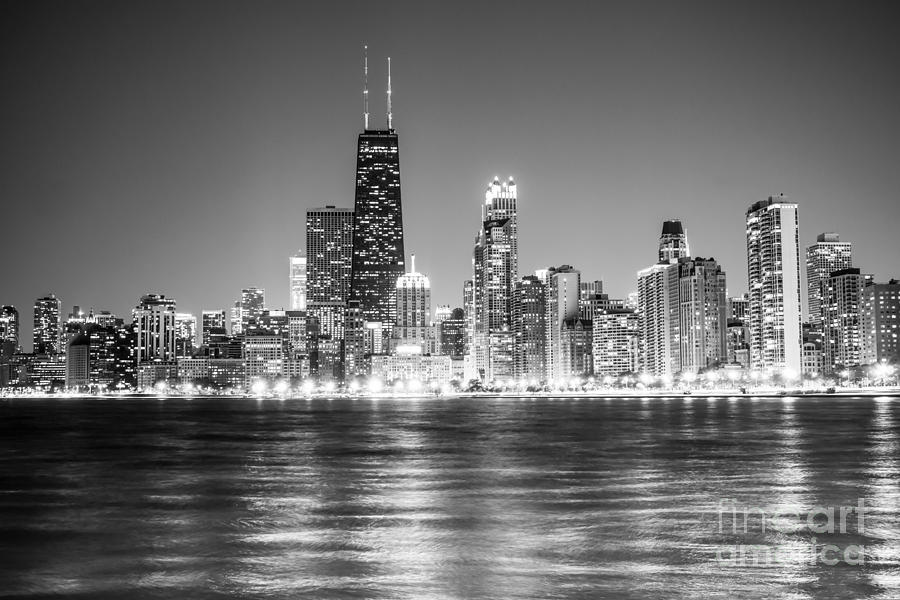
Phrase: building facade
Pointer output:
(827, 255)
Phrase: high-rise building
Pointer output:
(773, 265)
(703, 321)
(530, 328)
(827, 255)
(9, 331)
(297, 277)
(469, 310)
(185, 334)
(576, 341)
(563, 285)
(452, 334)
(154, 324)
(840, 313)
(236, 319)
(616, 342)
(880, 323)
(378, 251)
(737, 307)
(78, 362)
(253, 303)
(673, 242)
(659, 309)
(213, 326)
(495, 270)
(442, 313)
(329, 255)
(413, 323)
(47, 325)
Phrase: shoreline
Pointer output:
(893, 391)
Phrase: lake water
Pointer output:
(449, 498)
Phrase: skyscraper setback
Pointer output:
(378, 251)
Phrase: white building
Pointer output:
(154, 325)
(827, 255)
(297, 281)
(617, 343)
(773, 265)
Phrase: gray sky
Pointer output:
(175, 147)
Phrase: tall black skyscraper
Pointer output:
(378, 222)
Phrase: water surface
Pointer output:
(443, 498)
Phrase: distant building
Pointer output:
(576, 341)
(78, 362)
(154, 321)
(616, 340)
(841, 318)
(413, 312)
(185, 334)
(435, 369)
(213, 327)
(47, 325)
(530, 328)
(329, 256)
(297, 281)
(253, 303)
(673, 242)
(827, 255)
(773, 264)
(659, 307)
(880, 323)
(9, 331)
(703, 322)
(452, 334)
(563, 285)
(263, 357)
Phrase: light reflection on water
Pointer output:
(441, 498)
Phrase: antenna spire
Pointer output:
(413, 262)
(390, 117)
(366, 87)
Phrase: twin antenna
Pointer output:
(390, 117)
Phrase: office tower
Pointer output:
(47, 326)
(703, 322)
(78, 362)
(298, 281)
(880, 323)
(563, 285)
(495, 270)
(9, 331)
(125, 360)
(154, 323)
(827, 255)
(413, 323)
(185, 334)
(737, 343)
(840, 312)
(442, 313)
(813, 352)
(329, 256)
(672, 242)
(530, 328)
(737, 307)
(212, 326)
(102, 343)
(773, 266)
(452, 334)
(378, 252)
(593, 304)
(253, 303)
(576, 341)
(659, 308)
(616, 342)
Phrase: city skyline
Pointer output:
(634, 175)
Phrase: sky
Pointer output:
(174, 147)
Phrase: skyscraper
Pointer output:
(495, 266)
(880, 323)
(154, 324)
(47, 325)
(213, 326)
(673, 242)
(703, 308)
(616, 342)
(378, 252)
(329, 253)
(185, 334)
(563, 286)
(659, 310)
(827, 255)
(253, 303)
(773, 265)
(841, 318)
(297, 281)
(413, 324)
(9, 330)
(530, 328)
